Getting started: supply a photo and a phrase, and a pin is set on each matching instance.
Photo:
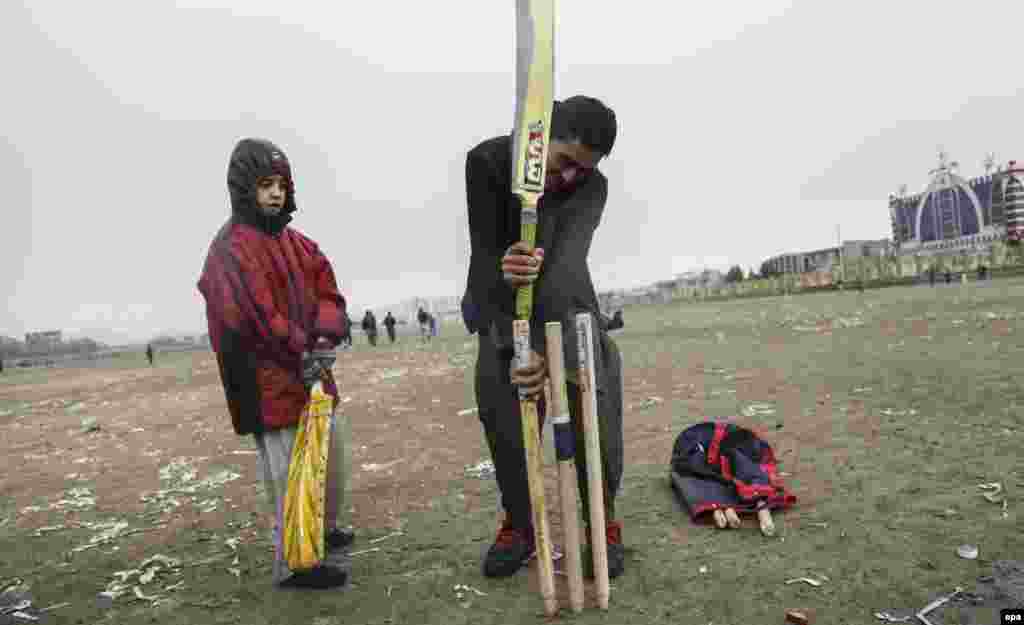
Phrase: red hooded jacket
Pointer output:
(270, 295)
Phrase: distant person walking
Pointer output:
(149, 354)
(433, 325)
(370, 327)
(389, 325)
(616, 322)
(346, 337)
(424, 320)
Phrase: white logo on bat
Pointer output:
(535, 154)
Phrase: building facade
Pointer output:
(956, 215)
(827, 259)
(803, 262)
(43, 340)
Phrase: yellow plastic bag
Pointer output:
(307, 482)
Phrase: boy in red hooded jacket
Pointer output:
(275, 317)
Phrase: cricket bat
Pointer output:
(535, 86)
(565, 453)
(595, 469)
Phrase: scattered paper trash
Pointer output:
(482, 470)
(140, 595)
(148, 571)
(467, 411)
(48, 529)
(180, 478)
(391, 374)
(383, 538)
(936, 604)
(755, 410)
(374, 467)
(797, 617)
(809, 580)
(993, 491)
(18, 606)
(889, 618)
(967, 552)
(110, 532)
(76, 498)
(462, 589)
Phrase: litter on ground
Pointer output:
(808, 580)
(483, 470)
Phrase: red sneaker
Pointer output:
(510, 551)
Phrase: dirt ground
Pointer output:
(886, 410)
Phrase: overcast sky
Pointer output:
(746, 129)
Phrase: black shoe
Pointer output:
(339, 539)
(320, 577)
(510, 551)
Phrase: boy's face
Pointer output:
(271, 192)
(569, 163)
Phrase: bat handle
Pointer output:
(528, 234)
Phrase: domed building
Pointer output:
(954, 215)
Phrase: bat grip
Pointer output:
(524, 294)
(524, 302)
(528, 234)
(565, 442)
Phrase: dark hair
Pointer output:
(586, 120)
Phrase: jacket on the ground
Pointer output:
(270, 295)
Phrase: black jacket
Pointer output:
(565, 229)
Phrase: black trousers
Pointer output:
(498, 405)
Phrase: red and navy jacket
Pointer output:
(723, 465)
(270, 295)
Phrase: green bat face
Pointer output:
(535, 86)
